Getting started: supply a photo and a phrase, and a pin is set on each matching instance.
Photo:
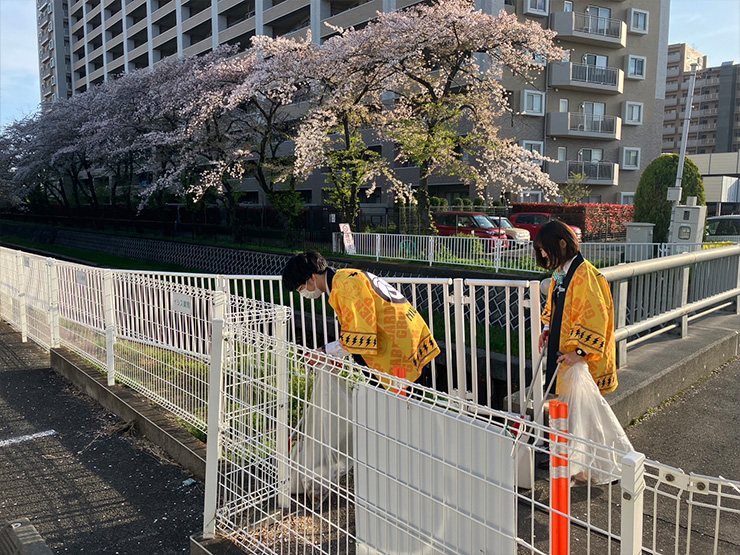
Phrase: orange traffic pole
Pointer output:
(559, 480)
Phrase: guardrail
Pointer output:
(670, 292)
(493, 253)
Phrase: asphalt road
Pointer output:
(87, 484)
(698, 431)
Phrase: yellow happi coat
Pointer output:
(378, 323)
(588, 324)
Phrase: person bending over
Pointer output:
(375, 320)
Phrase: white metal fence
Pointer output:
(362, 469)
(423, 481)
(494, 253)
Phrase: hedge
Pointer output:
(597, 221)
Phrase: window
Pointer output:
(562, 154)
(630, 158)
(533, 103)
(563, 106)
(595, 60)
(592, 199)
(590, 154)
(534, 146)
(627, 198)
(567, 6)
(536, 7)
(636, 67)
(638, 20)
(633, 113)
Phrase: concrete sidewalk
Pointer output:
(85, 480)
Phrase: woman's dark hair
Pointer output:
(548, 239)
(301, 267)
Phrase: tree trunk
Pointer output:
(422, 197)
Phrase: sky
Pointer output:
(710, 26)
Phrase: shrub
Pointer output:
(651, 204)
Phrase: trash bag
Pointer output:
(320, 456)
(590, 417)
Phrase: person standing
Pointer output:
(578, 318)
(376, 321)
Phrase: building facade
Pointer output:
(714, 126)
(55, 68)
(598, 113)
(720, 173)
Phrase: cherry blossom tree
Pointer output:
(348, 88)
(277, 77)
(443, 64)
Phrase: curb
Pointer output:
(660, 386)
(128, 405)
(19, 537)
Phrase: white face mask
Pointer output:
(306, 294)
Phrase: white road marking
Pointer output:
(11, 441)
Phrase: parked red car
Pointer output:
(533, 221)
(476, 224)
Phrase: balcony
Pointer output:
(673, 72)
(596, 173)
(671, 87)
(671, 101)
(588, 29)
(667, 145)
(674, 57)
(569, 75)
(577, 124)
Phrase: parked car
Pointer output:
(723, 228)
(520, 236)
(533, 221)
(476, 224)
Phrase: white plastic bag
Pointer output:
(590, 417)
(320, 456)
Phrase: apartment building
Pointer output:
(55, 69)
(598, 113)
(714, 126)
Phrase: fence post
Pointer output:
(53, 288)
(683, 290)
(459, 311)
(620, 317)
(20, 287)
(110, 325)
(430, 250)
(377, 246)
(220, 294)
(559, 480)
(213, 445)
(633, 488)
(737, 299)
(283, 408)
(497, 255)
(534, 336)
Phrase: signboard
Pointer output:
(349, 240)
(182, 303)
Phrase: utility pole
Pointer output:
(674, 193)
(675, 198)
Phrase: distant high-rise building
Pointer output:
(54, 54)
(598, 113)
(715, 114)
